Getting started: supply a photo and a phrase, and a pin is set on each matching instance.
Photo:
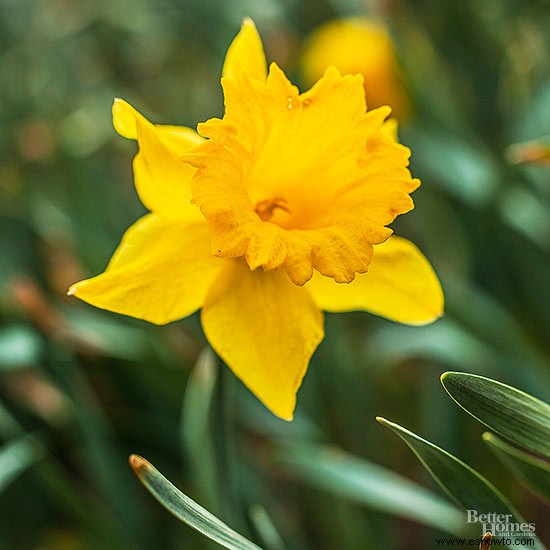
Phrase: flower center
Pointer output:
(266, 208)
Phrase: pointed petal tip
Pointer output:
(118, 105)
(287, 416)
(428, 320)
(124, 118)
(246, 53)
(282, 407)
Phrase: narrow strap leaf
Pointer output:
(464, 485)
(186, 509)
(532, 471)
(369, 484)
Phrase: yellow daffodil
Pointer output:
(363, 46)
(266, 217)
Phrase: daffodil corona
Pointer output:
(266, 217)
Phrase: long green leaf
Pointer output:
(186, 509)
(369, 484)
(54, 478)
(469, 489)
(17, 456)
(508, 411)
(101, 454)
(195, 430)
(533, 471)
(266, 528)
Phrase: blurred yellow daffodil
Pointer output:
(358, 46)
(266, 217)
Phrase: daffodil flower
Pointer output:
(266, 217)
(358, 45)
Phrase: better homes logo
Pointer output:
(501, 524)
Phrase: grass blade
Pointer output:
(266, 528)
(195, 427)
(508, 411)
(53, 478)
(17, 456)
(186, 509)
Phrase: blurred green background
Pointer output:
(81, 389)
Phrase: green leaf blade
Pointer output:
(532, 471)
(17, 456)
(469, 489)
(515, 415)
(186, 509)
(463, 484)
(368, 484)
(266, 528)
(195, 430)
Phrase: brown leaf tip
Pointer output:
(138, 463)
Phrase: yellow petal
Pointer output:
(246, 54)
(160, 272)
(162, 179)
(266, 329)
(400, 285)
(124, 118)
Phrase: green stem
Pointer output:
(228, 477)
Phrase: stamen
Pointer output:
(266, 208)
